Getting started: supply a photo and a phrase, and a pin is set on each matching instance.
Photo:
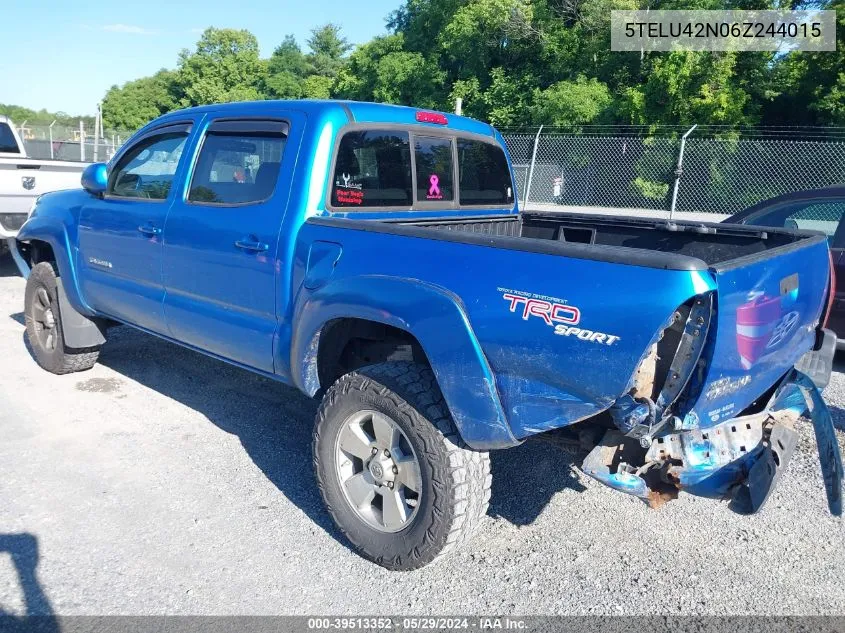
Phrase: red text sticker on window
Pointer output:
(349, 196)
(434, 189)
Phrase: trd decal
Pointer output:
(555, 313)
(549, 312)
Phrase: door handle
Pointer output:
(149, 230)
(252, 245)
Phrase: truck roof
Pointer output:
(360, 112)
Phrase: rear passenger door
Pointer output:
(221, 240)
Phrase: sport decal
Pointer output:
(556, 313)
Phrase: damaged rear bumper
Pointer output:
(741, 459)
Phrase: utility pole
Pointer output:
(81, 140)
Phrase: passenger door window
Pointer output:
(146, 170)
(372, 169)
(238, 163)
(433, 158)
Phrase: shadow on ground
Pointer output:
(38, 613)
(274, 425)
(7, 266)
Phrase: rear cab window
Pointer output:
(485, 178)
(372, 169)
(433, 158)
(408, 169)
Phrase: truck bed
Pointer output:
(716, 245)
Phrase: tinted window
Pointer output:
(823, 215)
(484, 174)
(7, 140)
(433, 158)
(373, 169)
(147, 169)
(239, 162)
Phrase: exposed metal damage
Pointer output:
(653, 453)
(741, 459)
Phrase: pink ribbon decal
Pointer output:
(434, 190)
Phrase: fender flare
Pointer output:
(436, 318)
(48, 229)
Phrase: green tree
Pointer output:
(224, 67)
(812, 85)
(137, 102)
(569, 103)
(286, 70)
(328, 49)
(382, 70)
(684, 87)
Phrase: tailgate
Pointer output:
(767, 310)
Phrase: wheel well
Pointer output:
(35, 251)
(349, 344)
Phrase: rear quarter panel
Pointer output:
(542, 380)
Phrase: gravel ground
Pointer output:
(164, 482)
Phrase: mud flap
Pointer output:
(79, 331)
(764, 475)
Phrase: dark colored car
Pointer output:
(819, 210)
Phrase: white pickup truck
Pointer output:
(23, 179)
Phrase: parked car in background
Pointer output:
(23, 179)
(819, 210)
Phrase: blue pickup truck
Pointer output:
(374, 256)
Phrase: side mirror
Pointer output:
(95, 178)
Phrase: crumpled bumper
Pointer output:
(741, 459)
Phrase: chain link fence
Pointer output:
(719, 176)
(70, 143)
(599, 171)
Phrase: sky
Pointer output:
(63, 55)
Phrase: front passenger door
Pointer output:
(119, 259)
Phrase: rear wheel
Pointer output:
(395, 475)
(44, 325)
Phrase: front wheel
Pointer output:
(44, 325)
(393, 471)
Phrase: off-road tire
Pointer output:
(455, 479)
(60, 359)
